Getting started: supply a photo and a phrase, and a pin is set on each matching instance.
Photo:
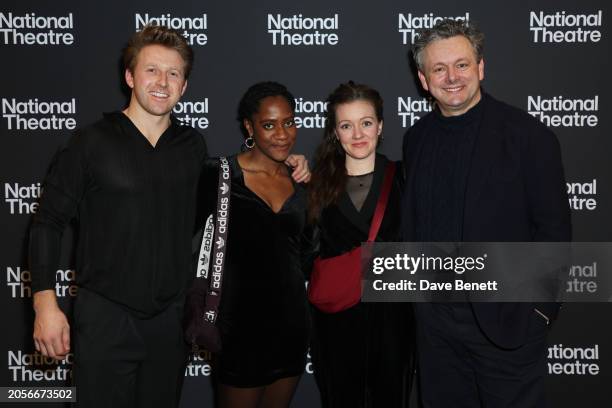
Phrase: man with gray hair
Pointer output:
(479, 170)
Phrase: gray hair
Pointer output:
(444, 29)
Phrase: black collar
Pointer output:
(361, 219)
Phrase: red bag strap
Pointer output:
(383, 199)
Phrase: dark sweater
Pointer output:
(442, 173)
(135, 208)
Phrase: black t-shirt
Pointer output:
(135, 208)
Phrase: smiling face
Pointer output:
(452, 75)
(157, 81)
(273, 128)
(358, 128)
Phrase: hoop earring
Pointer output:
(249, 142)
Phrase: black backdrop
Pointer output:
(60, 69)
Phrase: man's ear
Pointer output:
(423, 80)
(129, 78)
(481, 69)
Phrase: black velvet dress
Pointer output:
(363, 356)
(264, 316)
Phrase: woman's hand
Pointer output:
(299, 164)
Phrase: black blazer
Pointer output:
(515, 192)
(342, 227)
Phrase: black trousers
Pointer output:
(122, 361)
(363, 357)
(459, 367)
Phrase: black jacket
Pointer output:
(363, 356)
(515, 193)
(342, 227)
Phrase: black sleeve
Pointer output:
(206, 203)
(206, 200)
(309, 248)
(63, 189)
(404, 162)
(546, 189)
(400, 175)
(203, 148)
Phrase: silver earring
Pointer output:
(249, 142)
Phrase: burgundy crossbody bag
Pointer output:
(335, 283)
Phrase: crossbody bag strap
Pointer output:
(217, 262)
(383, 199)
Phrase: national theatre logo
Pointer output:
(561, 111)
(33, 29)
(34, 367)
(310, 114)
(409, 24)
(298, 30)
(199, 364)
(564, 360)
(582, 196)
(19, 282)
(562, 27)
(35, 114)
(22, 199)
(582, 279)
(193, 113)
(411, 109)
(192, 28)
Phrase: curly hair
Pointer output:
(249, 103)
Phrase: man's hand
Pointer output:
(301, 172)
(51, 329)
